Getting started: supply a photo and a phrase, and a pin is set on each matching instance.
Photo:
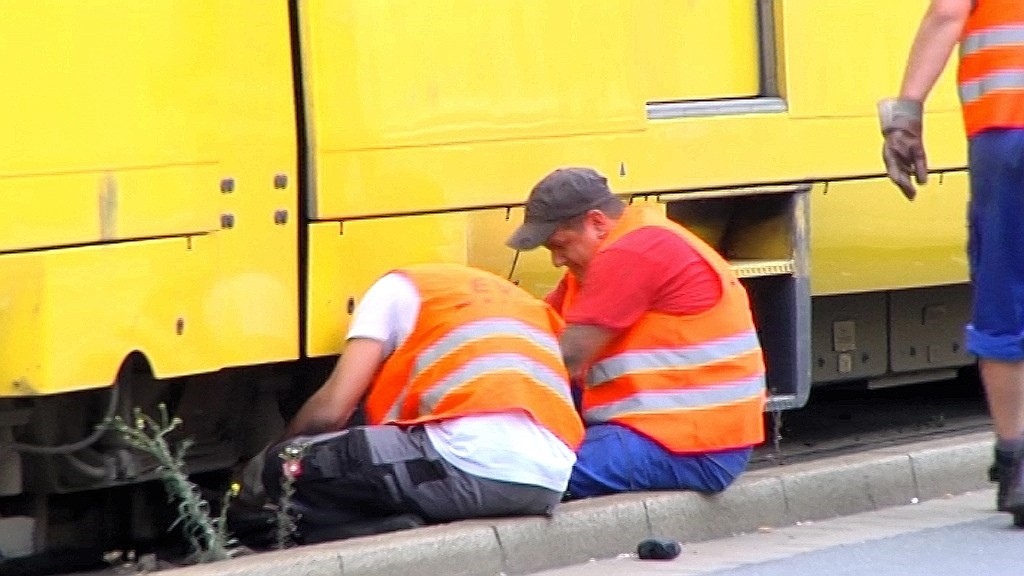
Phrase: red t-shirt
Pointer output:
(648, 269)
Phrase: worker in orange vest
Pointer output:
(659, 338)
(467, 402)
(991, 86)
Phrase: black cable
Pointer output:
(515, 260)
(98, 433)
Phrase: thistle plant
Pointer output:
(221, 524)
(207, 536)
(291, 467)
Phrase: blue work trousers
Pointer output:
(615, 458)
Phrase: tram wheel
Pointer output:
(1018, 520)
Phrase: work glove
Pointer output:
(903, 150)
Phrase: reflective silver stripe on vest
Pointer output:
(671, 358)
(483, 329)
(1006, 80)
(991, 38)
(490, 363)
(467, 333)
(677, 399)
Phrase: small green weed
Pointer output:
(208, 536)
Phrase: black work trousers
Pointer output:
(375, 471)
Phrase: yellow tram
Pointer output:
(195, 192)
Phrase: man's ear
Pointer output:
(600, 221)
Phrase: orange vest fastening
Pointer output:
(692, 383)
(480, 345)
(991, 75)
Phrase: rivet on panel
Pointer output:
(280, 216)
(227, 220)
(280, 181)
(227, 185)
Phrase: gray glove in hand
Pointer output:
(903, 150)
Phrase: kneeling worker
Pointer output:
(660, 336)
(468, 404)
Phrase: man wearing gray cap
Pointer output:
(659, 339)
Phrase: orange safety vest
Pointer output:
(991, 75)
(692, 383)
(480, 345)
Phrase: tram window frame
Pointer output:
(769, 98)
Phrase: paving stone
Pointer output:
(457, 549)
(952, 467)
(850, 485)
(579, 531)
(752, 502)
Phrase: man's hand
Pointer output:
(580, 344)
(331, 407)
(903, 150)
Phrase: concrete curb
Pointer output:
(608, 526)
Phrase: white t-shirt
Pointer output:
(508, 447)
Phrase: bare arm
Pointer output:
(580, 344)
(938, 33)
(330, 407)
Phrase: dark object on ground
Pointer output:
(658, 549)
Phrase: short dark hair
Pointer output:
(613, 208)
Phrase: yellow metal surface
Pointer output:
(70, 316)
(841, 57)
(254, 293)
(81, 323)
(388, 77)
(392, 132)
(129, 118)
(531, 270)
(345, 260)
(110, 105)
(718, 38)
(489, 113)
(866, 237)
(59, 209)
(406, 111)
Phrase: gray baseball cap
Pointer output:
(561, 195)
